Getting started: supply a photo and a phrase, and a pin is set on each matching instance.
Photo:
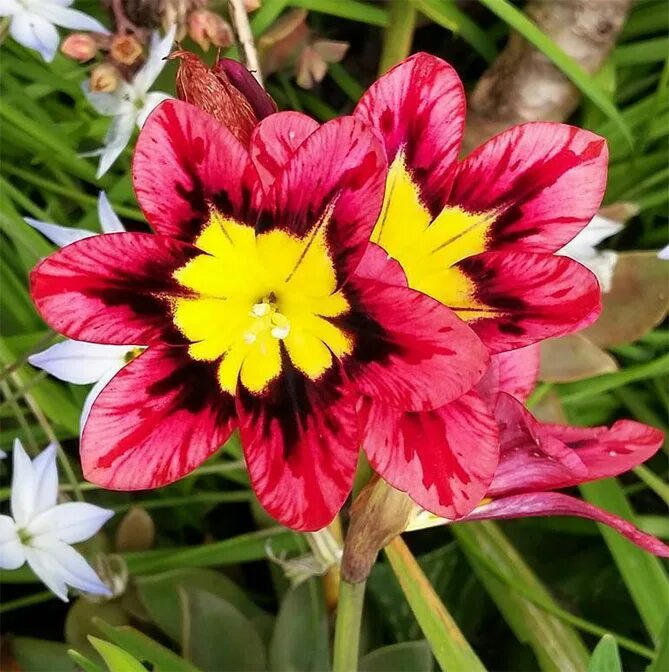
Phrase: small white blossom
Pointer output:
(76, 361)
(664, 253)
(583, 249)
(131, 103)
(33, 23)
(40, 531)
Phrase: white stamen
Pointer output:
(280, 332)
(249, 338)
(260, 309)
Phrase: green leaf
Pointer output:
(398, 35)
(217, 637)
(643, 574)
(556, 645)
(159, 594)
(404, 657)
(84, 663)
(144, 648)
(350, 9)
(661, 661)
(570, 68)
(448, 644)
(37, 655)
(302, 618)
(116, 658)
(605, 657)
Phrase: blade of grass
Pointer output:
(642, 573)
(448, 644)
(570, 68)
(362, 12)
(398, 35)
(557, 646)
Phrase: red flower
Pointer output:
(537, 458)
(254, 313)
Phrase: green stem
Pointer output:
(27, 601)
(347, 627)
(398, 35)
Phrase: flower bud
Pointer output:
(105, 78)
(236, 73)
(206, 28)
(125, 49)
(251, 5)
(214, 93)
(79, 46)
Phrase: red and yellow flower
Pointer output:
(253, 312)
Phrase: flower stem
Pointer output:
(347, 626)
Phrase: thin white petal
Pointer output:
(48, 570)
(109, 221)
(9, 7)
(107, 104)
(598, 229)
(71, 522)
(46, 480)
(118, 136)
(23, 486)
(602, 264)
(158, 52)
(151, 101)
(70, 18)
(3, 454)
(664, 253)
(93, 395)
(35, 32)
(60, 235)
(11, 548)
(70, 567)
(79, 362)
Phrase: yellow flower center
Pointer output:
(260, 303)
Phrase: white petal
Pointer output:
(151, 101)
(46, 480)
(11, 548)
(35, 32)
(158, 52)
(118, 136)
(48, 570)
(79, 362)
(70, 18)
(71, 522)
(664, 253)
(109, 221)
(61, 235)
(9, 7)
(602, 264)
(107, 104)
(594, 233)
(63, 565)
(23, 486)
(93, 395)
(3, 454)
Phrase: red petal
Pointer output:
(186, 162)
(545, 179)
(514, 372)
(557, 504)
(410, 351)
(521, 298)
(444, 459)
(301, 445)
(335, 179)
(275, 140)
(377, 265)
(418, 108)
(111, 288)
(157, 420)
(536, 456)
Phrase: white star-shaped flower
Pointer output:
(582, 248)
(33, 23)
(76, 361)
(131, 103)
(40, 531)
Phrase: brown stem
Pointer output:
(524, 85)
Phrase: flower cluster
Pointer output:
(322, 287)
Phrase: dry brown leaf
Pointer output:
(637, 302)
(573, 357)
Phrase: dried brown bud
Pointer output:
(282, 44)
(213, 93)
(206, 28)
(312, 64)
(251, 5)
(105, 78)
(79, 46)
(378, 515)
(125, 49)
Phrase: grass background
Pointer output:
(526, 594)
